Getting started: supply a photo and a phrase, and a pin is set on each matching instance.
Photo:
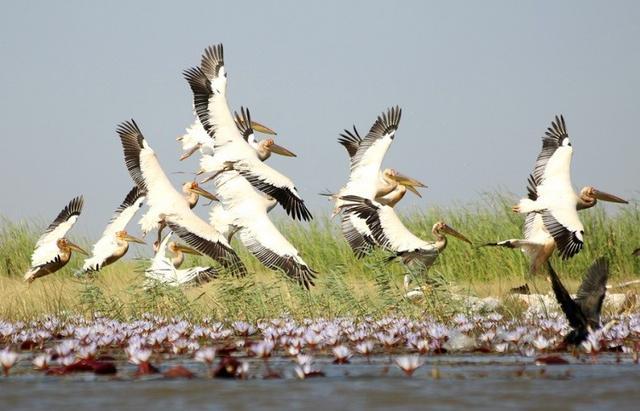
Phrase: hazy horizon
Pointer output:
(478, 84)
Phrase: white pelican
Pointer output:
(163, 269)
(367, 181)
(197, 139)
(114, 242)
(244, 210)
(177, 252)
(583, 313)
(389, 232)
(53, 250)
(166, 205)
(192, 192)
(554, 196)
(209, 86)
(538, 242)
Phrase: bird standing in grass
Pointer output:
(53, 250)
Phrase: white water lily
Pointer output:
(409, 363)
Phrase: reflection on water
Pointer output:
(461, 381)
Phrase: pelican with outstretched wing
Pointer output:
(53, 249)
(539, 242)
(168, 206)
(391, 234)
(209, 86)
(114, 242)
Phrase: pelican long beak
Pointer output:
(410, 183)
(456, 234)
(186, 250)
(204, 193)
(189, 152)
(76, 248)
(261, 128)
(601, 195)
(131, 239)
(274, 148)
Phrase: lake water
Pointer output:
(464, 381)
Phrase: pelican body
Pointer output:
(392, 235)
(541, 234)
(53, 250)
(114, 242)
(163, 269)
(168, 206)
(209, 86)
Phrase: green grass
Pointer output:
(345, 285)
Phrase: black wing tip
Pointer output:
(558, 129)
(129, 130)
(132, 196)
(387, 122)
(243, 122)
(212, 60)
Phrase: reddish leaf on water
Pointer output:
(28, 345)
(341, 361)
(97, 367)
(178, 372)
(551, 360)
(146, 368)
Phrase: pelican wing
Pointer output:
(592, 291)
(107, 244)
(566, 230)
(276, 185)
(555, 137)
(374, 146)
(202, 237)
(146, 172)
(357, 234)
(269, 246)
(209, 86)
(350, 140)
(386, 228)
(571, 310)
(46, 249)
(162, 269)
(196, 138)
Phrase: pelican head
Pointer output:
(590, 196)
(176, 248)
(192, 190)
(124, 236)
(440, 228)
(65, 245)
(391, 175)
(269, 146)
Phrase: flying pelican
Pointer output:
(53, 250)
(168, 206)
(583, 313)
(538, 243)
(389, 232)
(163, 269)
(114, 242)
(244, 210)
(554, 197)
(192, 192)
(177, 252)
(209, 83)
(197, 139)
(367, 181)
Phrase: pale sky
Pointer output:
(478, 82)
